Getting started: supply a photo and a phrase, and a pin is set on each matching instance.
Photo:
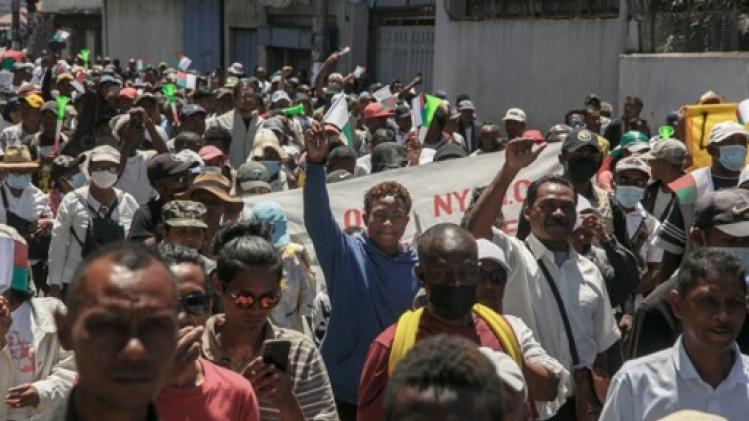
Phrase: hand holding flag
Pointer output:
(170, 91)
(84, 56)
(62, 102)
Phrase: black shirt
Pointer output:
(72, 415)
(146, 220)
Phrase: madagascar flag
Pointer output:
(685, 189)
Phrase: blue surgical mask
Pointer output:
(628, 196)
(77, 180)
(272, 166)
(18, 181)
(732, 157)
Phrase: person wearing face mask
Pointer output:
(631, 176)
(448, 270)
(721, 222)
(41, 145)
(727, 144)
(268, 152)
(26, 208)
(88, 218)
(558, 293)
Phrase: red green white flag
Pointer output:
(685, 188)
(338, 116)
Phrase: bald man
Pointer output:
(122, 324)
(448, 270)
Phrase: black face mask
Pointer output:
(580, 170)
(452, 303)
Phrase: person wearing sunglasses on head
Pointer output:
(199, 389)
(248, 278)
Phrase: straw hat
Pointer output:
(18, 159)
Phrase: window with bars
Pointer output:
(524, 9)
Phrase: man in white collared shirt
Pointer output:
(528, 294)
(704, 370)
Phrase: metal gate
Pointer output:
(202, 33)
(404, 51)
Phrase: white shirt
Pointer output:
(533, 352)
(363, 165)
(581, 286)
(658, 384)
(134, 178)
(649, 252)
(32, 205)
(65, 251)
(20, 340)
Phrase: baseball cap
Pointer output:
(577, 139)
(672, 151)
(402, 111)
(632, 141)
(726, 129)
(129, 93)
(33, 100)
(376, 110)
(188, 110)
(279, 95)
(449, 151)
(272, 214)
(109, 79)
(467, 105)
(515, 114)
(338, 175)
(253, 174)
(726, 210)
(490, 251)
(236, 69)
(632, 163)
(166, 165)
(533, 135)
(209, 152)
(64, 76)
(184, 213)
(105, 153)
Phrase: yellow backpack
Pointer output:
(408, 324)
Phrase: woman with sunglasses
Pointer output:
(199, 389)
(248, 279)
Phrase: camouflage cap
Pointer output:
(184, 213)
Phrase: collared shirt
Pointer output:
(31, 205)
(65, 251)
(134, 178)
(583, 292)
(309, 378)
(658, 384)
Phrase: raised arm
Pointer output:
(320, 77)
(519, 154)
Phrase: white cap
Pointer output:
(690, 415)
(726, 129)
(105, 153)
(279, 95)
(515, 114)
(632, 163)
(490, 251)
(507, 370)
(236, 69)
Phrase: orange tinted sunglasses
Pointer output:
(246, 299)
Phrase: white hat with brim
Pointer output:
(725, 130)
(490, 251)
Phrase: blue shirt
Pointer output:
(368, 289)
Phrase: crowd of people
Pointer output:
(145, 276)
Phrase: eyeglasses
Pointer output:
(246, 299)
(195, 303)
(496, 276)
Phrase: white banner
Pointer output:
(440, 192)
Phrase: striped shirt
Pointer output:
(309, 378)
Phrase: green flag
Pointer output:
(62, 102)
(296, 110)
(170, 92)
(84, 55)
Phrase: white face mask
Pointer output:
(103, 179)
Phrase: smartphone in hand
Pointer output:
(276, 352)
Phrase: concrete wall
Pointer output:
(143, 28)
(544, 66)
(667, 81)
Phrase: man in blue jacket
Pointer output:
(369, 277)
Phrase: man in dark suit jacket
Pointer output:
(468, 126)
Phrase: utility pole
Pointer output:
(15, 26)
(319, 18)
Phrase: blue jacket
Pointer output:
(368, 290)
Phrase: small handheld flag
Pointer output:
(295, 110)
(170, 91)
(62, 102)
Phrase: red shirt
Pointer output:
(374, 376)
(223, 395)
